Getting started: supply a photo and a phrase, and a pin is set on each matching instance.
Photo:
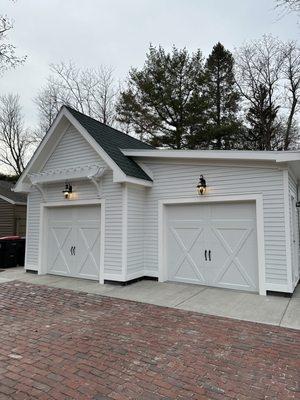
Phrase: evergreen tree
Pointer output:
(265, 129)
(223, 97)
(164, 101)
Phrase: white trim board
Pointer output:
(42, 267)
(15, 203)
(66, 118)
(277, 156)
(288, 244)
(258, 198)
(124, 230)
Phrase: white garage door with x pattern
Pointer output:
(74, 241)
(213, 244)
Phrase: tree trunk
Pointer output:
(287, 137)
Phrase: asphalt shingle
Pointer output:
(112, 141)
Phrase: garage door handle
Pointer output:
(74, 250)
(205, 255)
(71, 250)
(209, 255)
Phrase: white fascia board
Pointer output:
(93, 143)
(118, 175)
(25, 188)
(7, 199)
(285, 156)
(65, 113)
(216, 154)
(16, 203)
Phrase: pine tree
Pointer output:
(265, 130)
(164, 101)
(223, 98)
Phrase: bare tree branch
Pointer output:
(8, 57)
(15, 140)
(271, 65)
(291, 74)
(90, 91)
(289, 5)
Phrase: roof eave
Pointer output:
(279, 157)
(118, 174)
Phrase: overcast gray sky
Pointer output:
(118, 33)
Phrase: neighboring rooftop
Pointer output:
(6, 191)
(112, 141)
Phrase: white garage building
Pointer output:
(130, 211)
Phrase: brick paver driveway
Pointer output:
(60, 344)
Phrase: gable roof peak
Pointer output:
(112, 141)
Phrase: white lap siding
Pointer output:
(135, 231)
(33, 230)
(73, 151)
(83, 190)
(177, 180)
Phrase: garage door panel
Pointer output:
(233, 254)
(233, 277)
(88, 251)
(74, 241)
(236, 211)
(185, 239)
(188, 272)
(60, 239)
(222, 247)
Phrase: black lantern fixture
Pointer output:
(201, 187)
(67, 191)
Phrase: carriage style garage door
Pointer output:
(213, 244)
(73, 241)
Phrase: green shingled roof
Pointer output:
(111, 140)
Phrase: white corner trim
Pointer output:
(102, 241)
(27, 236)
(287, 224)
(124, 229)
(257, 197)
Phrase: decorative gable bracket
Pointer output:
(96, 179)
(68, 174)
(93, 172)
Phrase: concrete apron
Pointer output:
(274, 310)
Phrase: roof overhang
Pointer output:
(16, 203)
(48, 144)
(276, 156)
(291, 159)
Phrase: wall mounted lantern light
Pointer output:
(201, 187)
(67, 190)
